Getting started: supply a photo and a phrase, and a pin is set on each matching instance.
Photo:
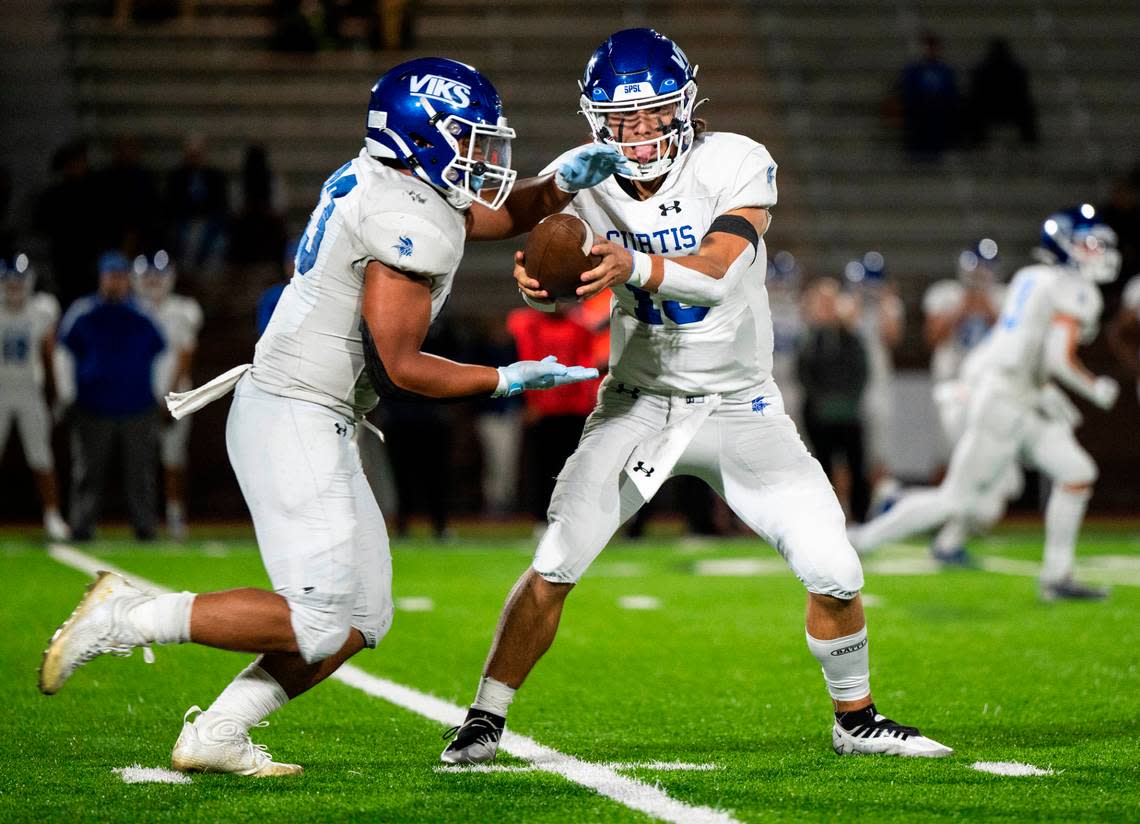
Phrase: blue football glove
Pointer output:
(589, 167)
(544, 374)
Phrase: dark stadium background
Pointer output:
(812, 80)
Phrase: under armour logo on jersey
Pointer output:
(341, 429)
(632, 391)
(440, 88)
(641, 468)
(416, 196)
(666, 208)
(404, 247)
(759, 404)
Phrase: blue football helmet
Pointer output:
(444, 121)
(638, 94)
(153, 275)
(18, 278)
(980, 263)
(1077, 238)
(870, 271)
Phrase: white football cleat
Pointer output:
(882, 736)
(224, 747)
(97, 626)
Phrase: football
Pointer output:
(558, 252)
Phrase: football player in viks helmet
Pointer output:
(373, 269)
(27, 328)
(679, 229)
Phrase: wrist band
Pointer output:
(642, 268)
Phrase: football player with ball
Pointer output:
(678, 231)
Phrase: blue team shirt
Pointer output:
(114, 346)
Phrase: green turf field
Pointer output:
(717, 676)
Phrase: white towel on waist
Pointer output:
(186, 403)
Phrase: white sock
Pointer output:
(248, 699)
(915, 512)
(1063, 516)
(175, 511)
(493, 696)
(164, 619)
(846, 665)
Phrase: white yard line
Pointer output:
(601, 778)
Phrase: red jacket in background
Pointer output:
(538, 334)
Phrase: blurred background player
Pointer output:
(180, 318)
(1050, 308)
(27, 330)
(958, 313)
(376, 265)
(1124, 331)
(107, 365)
(881, 319)
(832, 368)
(267, 302)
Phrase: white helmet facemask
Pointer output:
(620, 122)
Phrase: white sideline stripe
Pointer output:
(602, 779)
(1015, 768)
(482, 768)
(639, 602)
(415, 603)
(138, 774)
(662, 766)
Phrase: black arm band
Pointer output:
(383, 384)
(735, 225)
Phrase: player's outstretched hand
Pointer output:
(544, 374)
(589, 167)
(614, 270)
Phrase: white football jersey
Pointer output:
(1015, 348)
(311, 349)
(663, 345)
(22, 334)
(945, 297)
(180, 319)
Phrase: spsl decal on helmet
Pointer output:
(1078, 239)
(634, 75)
(444, 121)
